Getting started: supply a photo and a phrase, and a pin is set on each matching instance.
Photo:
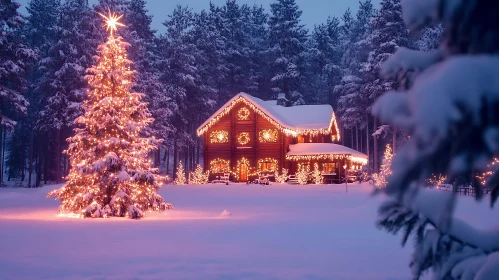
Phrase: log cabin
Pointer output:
(248, 136)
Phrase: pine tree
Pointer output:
(453, 135)
(287, 38)
(180, 175)
(64, 80)
(14, 56)
(381, 179)
(110, 173)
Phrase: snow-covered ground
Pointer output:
(274, 232)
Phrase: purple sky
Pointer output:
(314, 11)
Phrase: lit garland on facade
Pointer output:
(302, 174)
(318, 179)
(243, 114)
(273, 161)
(281, 179)
(358, 160)
(243, 138)
(268, 135)
(198, 177)
(219, 166)
(110, 173)
(219, 136)
(286, 130)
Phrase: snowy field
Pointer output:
(274, 232)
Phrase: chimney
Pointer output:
(281, 100)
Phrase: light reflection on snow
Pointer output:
(69, 215)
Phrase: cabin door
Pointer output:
(243, 173)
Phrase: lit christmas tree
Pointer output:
(281, 179)
(180, 178)
(110, 173)
(198, 177)
(318, 179)
(302, 174)
(380, 178)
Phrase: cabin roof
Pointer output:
(302, 119)
(310, 151)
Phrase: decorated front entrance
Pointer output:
(242, 170)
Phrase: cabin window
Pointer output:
(329, 167)
(243, 138)
(219, 136)
(301, 139)
(268, 135)
(243, 114)
(268, 165)
(219, 166)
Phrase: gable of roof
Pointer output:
(296, 120)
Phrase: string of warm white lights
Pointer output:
(354, 159)
(286, 130)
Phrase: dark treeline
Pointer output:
(201, 61)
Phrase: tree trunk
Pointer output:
(394, 144)
(367, 139)
(38, 166)
(3, 152)
(58, 156)
(175, 158)
(357, 137)
(30, 170)
(352, 145)
(375, 146)
(2, 132)
(167, 161)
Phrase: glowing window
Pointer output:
(268, 165)
(329, 168)
(219, 166)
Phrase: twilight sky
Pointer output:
(314, 11)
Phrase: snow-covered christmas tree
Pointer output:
(111, 174)
(380, 179)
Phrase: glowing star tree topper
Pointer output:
(112, 22)
(111, 174)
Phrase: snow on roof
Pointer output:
(311, 151)
(293, 120)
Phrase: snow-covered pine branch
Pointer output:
(449, 111)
